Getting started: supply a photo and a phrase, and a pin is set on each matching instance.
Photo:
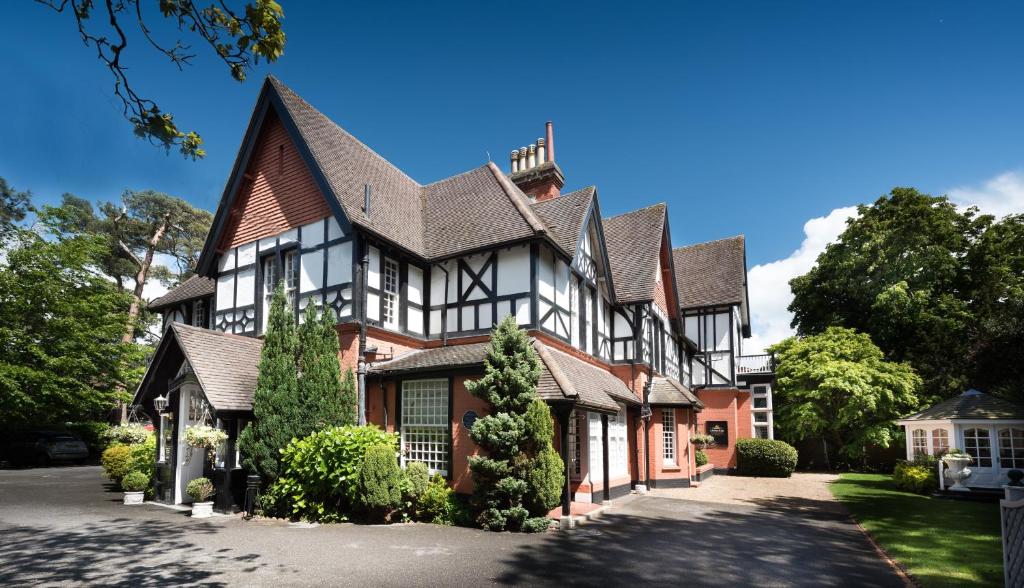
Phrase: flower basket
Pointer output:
(203, 437)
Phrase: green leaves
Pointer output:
(837, 385)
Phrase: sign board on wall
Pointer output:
(719, 430)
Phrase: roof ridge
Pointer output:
(524, 208)
(638, 210)
(733, 238)
(555, 370)
(452, 177)
(180, 326)
(279, 85)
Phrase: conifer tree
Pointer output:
(319, 372)
(349, 399)
(276, 407)
(507, 491)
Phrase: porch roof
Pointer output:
(672, 392)
(970, 405)
(226, 365)
(562, 378)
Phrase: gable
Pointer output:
(277, 192)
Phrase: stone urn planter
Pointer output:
(958, 471)
(134, 497)
(202, 510)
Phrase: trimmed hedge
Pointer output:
(765, 457)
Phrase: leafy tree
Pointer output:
(838, 386)
(320, 373)
(13, 206)
(506, 494)
(239, 36)
(900, 272)
(143, 225)
(276, 407)
(62, 357)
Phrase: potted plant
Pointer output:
(134, 484)
(200, 489)
(203, 437)
(956, 461)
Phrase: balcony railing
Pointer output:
(763, 363)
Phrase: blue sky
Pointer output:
(745, 117)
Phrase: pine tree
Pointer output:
(319, 372)
(348, 398)
(507, 490)
(276, 408)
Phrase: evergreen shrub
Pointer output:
(437, 502)
(117, 462)
(320, 472)
(200, 489)
(380, 482)
(765, 457)
(700, 458)
(919, 476)
(135, 482)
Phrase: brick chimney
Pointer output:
(534, 169)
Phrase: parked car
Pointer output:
(45, 447)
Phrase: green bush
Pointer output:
(919, 476)
(436, 502)
(417, 477)
(320, 473)
(380, 482)
(544, 480)
(117, 462)
(135, 482)
(143, 456)
(200, 489)
(536, 524)
(700, 458)
(765, 457)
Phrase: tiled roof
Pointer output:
(712, 273)
(633, 241)
(970, 405)
(564, 216)
(563, 377)
(194, 287)
(473, 210)
(670, 391)
(225, 365)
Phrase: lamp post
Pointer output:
(160, 403)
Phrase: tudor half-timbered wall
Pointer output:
(716, 332)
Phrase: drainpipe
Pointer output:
(364, 262)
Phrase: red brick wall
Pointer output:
(278, 193)
(660, 470)
(732, 406)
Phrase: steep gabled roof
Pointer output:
(973, 405)
(190, 289)
(633, 241)
(712, 273)
(566, 216)
(672, 392)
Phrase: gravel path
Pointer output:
(802, 490)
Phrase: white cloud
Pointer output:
(769, 282)
(1002, 195)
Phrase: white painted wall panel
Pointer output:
(503, 311)
(339, 264)
(562, 283)
(334, 229)
(268, 243)
(690, 328)
(373, 271)
(311, 271)
(414, 320)
(485, 316)
(225, 292)
(514, 270)
(226, 262)
(546, 276)
(415, 285)
(372, 306)
(289, 236)
(523, 311)
(313, 234)
(435, 322)
(246, 287)
(247, 254)
(347, 311)
(468, 313)
(722, 330)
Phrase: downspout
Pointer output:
(364, 262)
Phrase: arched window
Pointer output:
(920, 442)
(940, 442)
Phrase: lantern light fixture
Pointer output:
(160, 403)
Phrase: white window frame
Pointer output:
(1011, 448)
(389, 284)
(940, 441)
(919, 443)
(198, 310)
(290, 263)
(433, 438)
(973, 445)
(668, 436)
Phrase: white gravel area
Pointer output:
(802, 490)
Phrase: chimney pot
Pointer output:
(550, 132)
(540, 151)
(515, 160)
(522, 158)
(531, 160)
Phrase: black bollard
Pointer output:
(252, 492)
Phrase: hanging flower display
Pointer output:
(203, 437)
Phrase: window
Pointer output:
(920, 444)
(617, 446)
(760, 402)
(576, 445)
(269, 281)
(761, 432)
(271, 276)
(199, 314)
(1011, 448)
(291, 276)
(668, 436)
(389, 315)
(425, 423)
(978, 444)
(940, 442)
(760, 417)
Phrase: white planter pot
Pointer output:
(133, 497)
(202, 510)
(958, 471)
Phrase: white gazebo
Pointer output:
(989, 429)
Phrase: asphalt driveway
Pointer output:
(63, 526)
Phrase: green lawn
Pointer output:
(941, 542)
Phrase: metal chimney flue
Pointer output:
(550, 132)
(366, 200)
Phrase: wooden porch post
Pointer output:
(604, 457)
(563, 424)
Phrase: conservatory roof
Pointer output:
(971, 405)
